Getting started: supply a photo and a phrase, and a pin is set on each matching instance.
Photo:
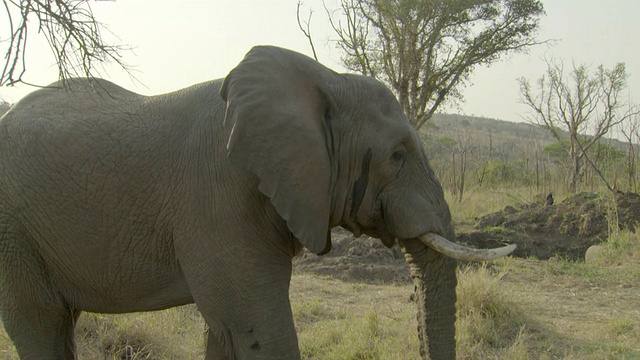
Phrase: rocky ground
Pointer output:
(565, 229)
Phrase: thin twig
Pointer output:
(306, 30)
(72, 32)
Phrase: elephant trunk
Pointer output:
(434, 276)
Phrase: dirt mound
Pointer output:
(364, 259)
(566, 229)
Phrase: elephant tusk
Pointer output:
(446, 247)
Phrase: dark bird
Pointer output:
(549, 200)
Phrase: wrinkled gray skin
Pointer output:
(116, 202)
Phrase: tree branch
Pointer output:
(306, 30)
(72, 32)
(425, 50)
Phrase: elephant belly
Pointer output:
(128, 292)
(126, 276)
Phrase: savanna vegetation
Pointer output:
(514, 308)
(470, 154)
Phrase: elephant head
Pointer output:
(333, 149)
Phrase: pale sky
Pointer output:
(180, 43)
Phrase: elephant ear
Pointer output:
(276, 107)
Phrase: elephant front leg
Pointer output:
(255, 325)
(244, 298)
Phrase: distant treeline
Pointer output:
(467, 151)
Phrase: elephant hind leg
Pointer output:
(52, 336)
(35, 316)
(71, 320)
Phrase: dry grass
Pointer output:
(621, 251)
(490, 324)
(176, 333)
(167, 334)
(512, 309)
(509, 309)
(339, 320)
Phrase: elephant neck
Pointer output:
(339, 202)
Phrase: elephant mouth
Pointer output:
(459, 252)
(375, 232)
(431, 239)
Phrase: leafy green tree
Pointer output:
(601, 157)
(447, 143)
(557, 152)
(425, 50)
(499, 172)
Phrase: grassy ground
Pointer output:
(508, 309)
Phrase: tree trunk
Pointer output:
(434, 277)
(537, 172)
(575, 173)
(575, 163)
(463, 171)
(631, 164)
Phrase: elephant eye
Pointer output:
(327, 114)
(398, 156)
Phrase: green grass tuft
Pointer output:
(489, 323)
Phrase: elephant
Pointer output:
(115, 202)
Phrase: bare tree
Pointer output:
(481, 172)
(426, 50)
(74, 37)
(460, 146)
(464, 150)
(586, 105)
(630, 129)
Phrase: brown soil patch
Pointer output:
(364, 259)
(565, 229)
